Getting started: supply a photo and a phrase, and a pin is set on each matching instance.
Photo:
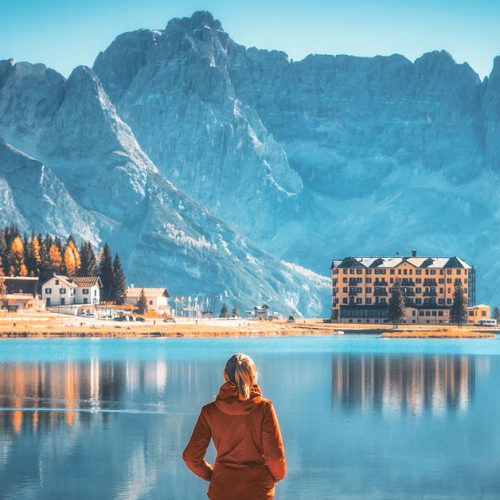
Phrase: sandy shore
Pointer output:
(41, 325)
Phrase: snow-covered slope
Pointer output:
(381, 154)
(102, 186)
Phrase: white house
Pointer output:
(88, 289)
(156, 298)
(63, 291)
(19, 293)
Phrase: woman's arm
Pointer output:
(274, 451)
(195, 450)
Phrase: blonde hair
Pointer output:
(241, 372)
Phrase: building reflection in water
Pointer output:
(44, 395)
(415, 385)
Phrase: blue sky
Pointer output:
(66, 33)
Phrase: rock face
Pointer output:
(309, 160)
(102, 186)
(362, 155)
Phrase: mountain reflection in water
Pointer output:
(403, 384)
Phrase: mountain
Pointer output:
(71, 164)
(319, 158)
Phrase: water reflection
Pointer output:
(44, 395)
(403, 384)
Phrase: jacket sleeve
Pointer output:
(274, 451)
(195, 450)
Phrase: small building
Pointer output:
(477, 313)
(20, 293)
(156, 299)
(261, 312)
(63, 291)
(88, 289)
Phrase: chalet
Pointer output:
(156, 299)
(261, 312)
(63, 291)
(19, 293)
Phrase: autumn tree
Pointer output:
(458, 312)
(396, 305)
(55, 258)
(119, 282)
(16, 257)
(106, 273)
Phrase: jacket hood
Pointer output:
(227, 400)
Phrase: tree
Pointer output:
(88, 261)
(235, 313)
(396, 305)
(458, 312)
(119, 282)
(106, 273)
(142, 304)
(3, 287)
(496, 314)
(224, 311)
(55, 258)
(16, 256)
(69, 262)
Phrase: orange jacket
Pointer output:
(250, 453)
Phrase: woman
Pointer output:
(244, 428)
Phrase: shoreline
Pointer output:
(52, 325)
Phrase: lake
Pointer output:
(361, 416)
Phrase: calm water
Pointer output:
(361, 417)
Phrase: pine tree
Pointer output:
(396, 305)
(106, 273)
(224, 311)
(142, 304)
(235, 313)
(120, 282)
(55, 259)
(496, 314)
(88, 261)
(16, 256)
(458, 312)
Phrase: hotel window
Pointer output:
(419, 280)
(441, 280)
(392, 280)
(150, 302)
(368, 280)
(48, 291)
(368, 300)
(422, 313)
(449, 290)
(418, 271)
(433, 271)
(368, 271)
(345, 289)
(57, 282)
(399, 271)
(465, 290)
(359, 271)
(344, 300)
(359, 301)
(448, 301)
(440, 313)
(459, 271)
(418, 301)
(85, 291)
(465, 280)
(351, 271)
(411, 271)
(448, 280)
(62, 290)
(358, 289)
(368, 289)
(405, 271)
(418, 289)
(441, 290)
(441, 301)
(441, 271)
(448, 271)
(393, 271)
(344, 280)
(335, 271)
(434, 313)
(383, 301)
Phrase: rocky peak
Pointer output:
(199, 20)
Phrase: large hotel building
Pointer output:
(362, 287)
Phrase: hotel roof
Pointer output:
(391, 262)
